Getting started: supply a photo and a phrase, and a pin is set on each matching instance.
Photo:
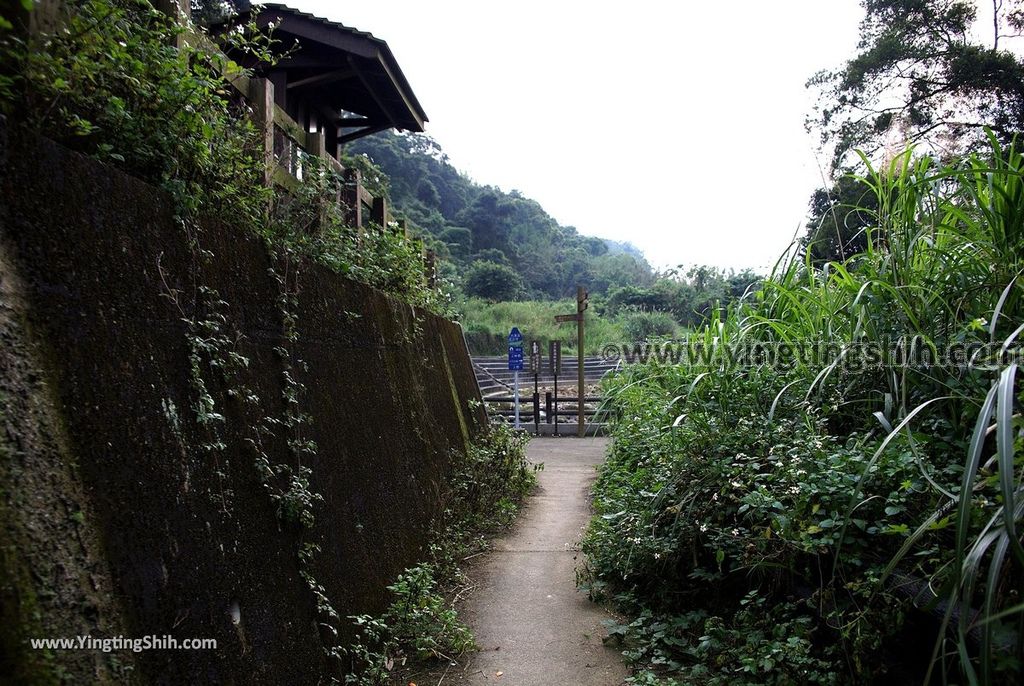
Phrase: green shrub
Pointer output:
(492, 281)
(418, 625)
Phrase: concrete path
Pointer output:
(533, 627)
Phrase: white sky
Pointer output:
(677, 126)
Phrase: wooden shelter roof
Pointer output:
(347, 76)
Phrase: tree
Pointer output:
(427, 193)
(459, 241)
(492, 281)
(922, 73)
(839, 219)
(487, 217)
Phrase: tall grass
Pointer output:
(942, 267)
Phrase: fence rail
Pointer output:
(535, 410)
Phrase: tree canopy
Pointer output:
(492, 281)
(926, 71)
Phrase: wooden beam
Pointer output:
(321, 79)
(401, 92)
(349, 137)
(305, 62)
(352, 122)
(383, 106)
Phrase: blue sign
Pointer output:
(515, 358)
(514, 337)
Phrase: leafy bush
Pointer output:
(418, 625)
(492, 281)
(111, 83)
(487, 485)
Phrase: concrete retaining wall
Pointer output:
(115, 516)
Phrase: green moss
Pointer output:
(20, 616)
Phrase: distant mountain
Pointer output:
(475, 227)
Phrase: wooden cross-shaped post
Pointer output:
(581, 306)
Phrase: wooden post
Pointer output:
(379, 212)
(353, 181)
(431, 269)
(181, 12)
(581, 306)
(261, 95)
(44, 17)
(316, 144)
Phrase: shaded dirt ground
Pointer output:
(533, 627)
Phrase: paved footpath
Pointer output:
(533, 627)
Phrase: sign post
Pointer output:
(555, 359)
(535, 368)
(515, 363)
(581, 306)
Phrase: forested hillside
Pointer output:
(511, 246)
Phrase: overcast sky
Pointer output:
(675, 126)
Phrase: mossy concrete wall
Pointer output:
(117, 515)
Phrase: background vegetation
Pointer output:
(500, 247)
(851, 518)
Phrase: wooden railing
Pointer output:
(543, 413)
